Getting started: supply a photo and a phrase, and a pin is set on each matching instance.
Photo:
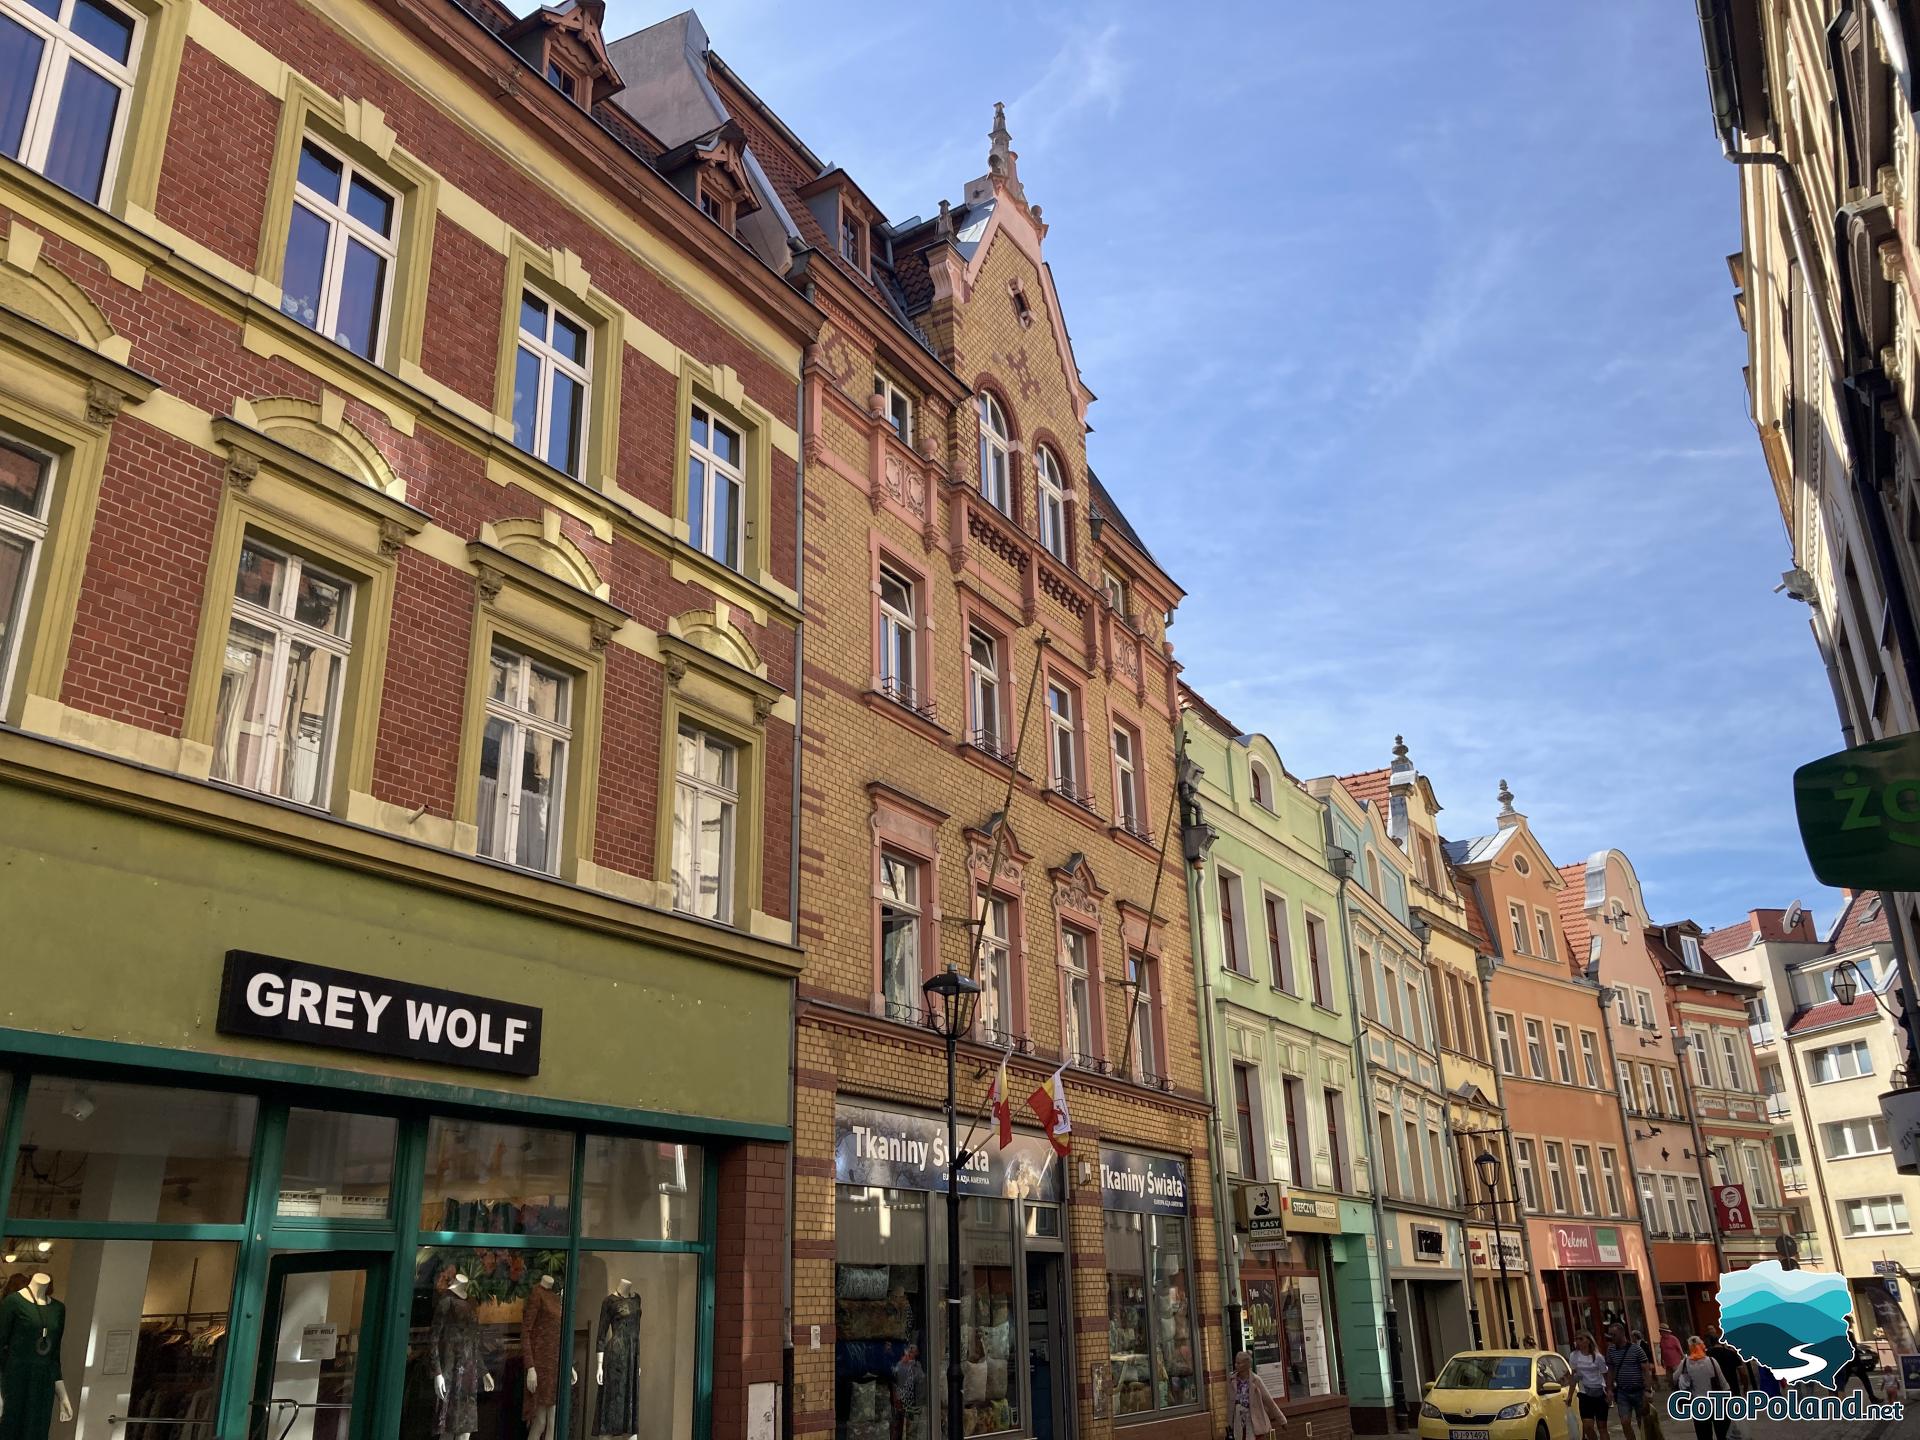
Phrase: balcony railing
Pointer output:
(1793, 1179)
(907, 698)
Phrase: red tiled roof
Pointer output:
(1863, 922)
(1832, 1012)
(1767, 924)
(1369, 787)
(1727, 940)
(1476, 922)
(1573, 912)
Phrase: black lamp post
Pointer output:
(1488, 1164)
(951, 998)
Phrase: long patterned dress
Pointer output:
(540, 1348)
(456, 1358)
(617, 1338)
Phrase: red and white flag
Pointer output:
(1049, 1102)
(1002, 1104)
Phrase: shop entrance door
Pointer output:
(319, 1346)
(1048, 1360)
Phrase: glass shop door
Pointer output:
(319, 1346)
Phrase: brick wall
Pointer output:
(750, 1274)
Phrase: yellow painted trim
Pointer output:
(46, 207)
(286, 510)
(560, 276)
(704, 698)
(508, 466)
(473, 217)
(194, 253)
(422, 825)
(144, 144)
(236, 49)
(533, 623)
(719, 388)
(360, 131)
(308, 352)
(43, 715)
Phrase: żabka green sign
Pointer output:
(1860, 815)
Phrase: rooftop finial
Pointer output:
(944, 226)
(1505, 797)
(997, 157)
(1399, 749)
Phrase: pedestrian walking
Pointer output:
(1252, 1411)
(1672, 1352)
(1627, 1372)
(1591, 1378)
(1700, 1374)
(1732, 1364)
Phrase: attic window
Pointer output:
(1520, 864)
(561, 80)
(716, 207)
(853, 237)
(1020, 306)
(1690, 953)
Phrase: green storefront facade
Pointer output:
(312, 1133)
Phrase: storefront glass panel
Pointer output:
(880, 1315)
(1175, 1383)
(136, 1329)
(319, 1345)
(132, 1153)
(467, 1342)
(336, 1166)
(634, 1331)
(487, 1179)
(640, 1189)
(1129, 1335)
(990, 1383)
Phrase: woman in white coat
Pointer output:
(1250, 1407)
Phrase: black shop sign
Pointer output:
(1146, 1184)
(288, 1000)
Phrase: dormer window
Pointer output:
(852, 241)
(560, 78)
(1690, 953)
(896, 405)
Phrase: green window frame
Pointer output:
(398, 1239)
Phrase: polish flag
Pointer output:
(1049, 1102)
(1002, 1106)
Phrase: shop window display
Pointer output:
(96, 1151)
(134, 1328)
(1128, 1335)
(990, 1383)
(882, 1381)
(467, 1350)
(1150, 1313)
(633, 1345)
(336, 1166)
(485, 1179)
(640, 1189)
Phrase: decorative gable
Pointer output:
(564, 43)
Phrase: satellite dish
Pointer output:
(1793, 916)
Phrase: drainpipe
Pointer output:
(793, 887)
(1196, 838)
(1340, 862)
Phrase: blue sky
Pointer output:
(1417, 366)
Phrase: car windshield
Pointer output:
(1487, 1372)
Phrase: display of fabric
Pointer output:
(540, 1348)
(616, 1409)
(456, 1359)
(30, 1334)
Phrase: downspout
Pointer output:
(1195, 842)
(793, 888)
(1340, 862)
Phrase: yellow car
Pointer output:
(1502, 1395)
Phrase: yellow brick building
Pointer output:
(988, 721)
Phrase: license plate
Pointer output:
(1466, 1435)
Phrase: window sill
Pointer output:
(990, 761)
(1074, 808)
(900, 715)
(1141, 847)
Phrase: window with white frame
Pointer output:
(1875, 1215)
(1623, 999)
(1690, 952)
(1610, 1179)
(1696, 1206)
(342, 244)
(1075, 948)
(1730, 1048)
(1668, 1093)
(1543, 932)
(1650, 1205)
(26, 493)
(1536, 1050)
(1317, 962)
(900, 932)
(996, 484)
(1649, 1100)
(1503, 1043)
(1845, 1139)
(1053, 503)
(716, 487)
(1583, 1178)
(1759, 1192)
(1563, 1053)
(1390, 997)
(706, 808)
(523, 761)
(278, 712)
(1128, 802)
(1840, 1062)
(1416, 1179)
(1724, 1173)
(899, 638)
(551, 380)
(1529, 1184)
(1590, 1059)
(897, 406)
(1063, 740)
(996, 969)
(1140, 979)
(1702, 1061)
(1670, 1191)
(1233, 924)
(1517, 920)
(1624, 1072)
(1114, 586)
(1643, 1000)
(68, 67)
(1279, 944)
(1556, 1175)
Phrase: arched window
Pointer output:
(1053, 503)
(1262, 786)
(995, 463)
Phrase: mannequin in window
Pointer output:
(540, 1348)
(459, 1374)
(616, 1366)
(32, 1323)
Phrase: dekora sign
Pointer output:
(291, 1001)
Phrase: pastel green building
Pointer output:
(1277, 1032)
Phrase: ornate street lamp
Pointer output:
(1846, 983)
(951, 999)
(1488, 1164)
